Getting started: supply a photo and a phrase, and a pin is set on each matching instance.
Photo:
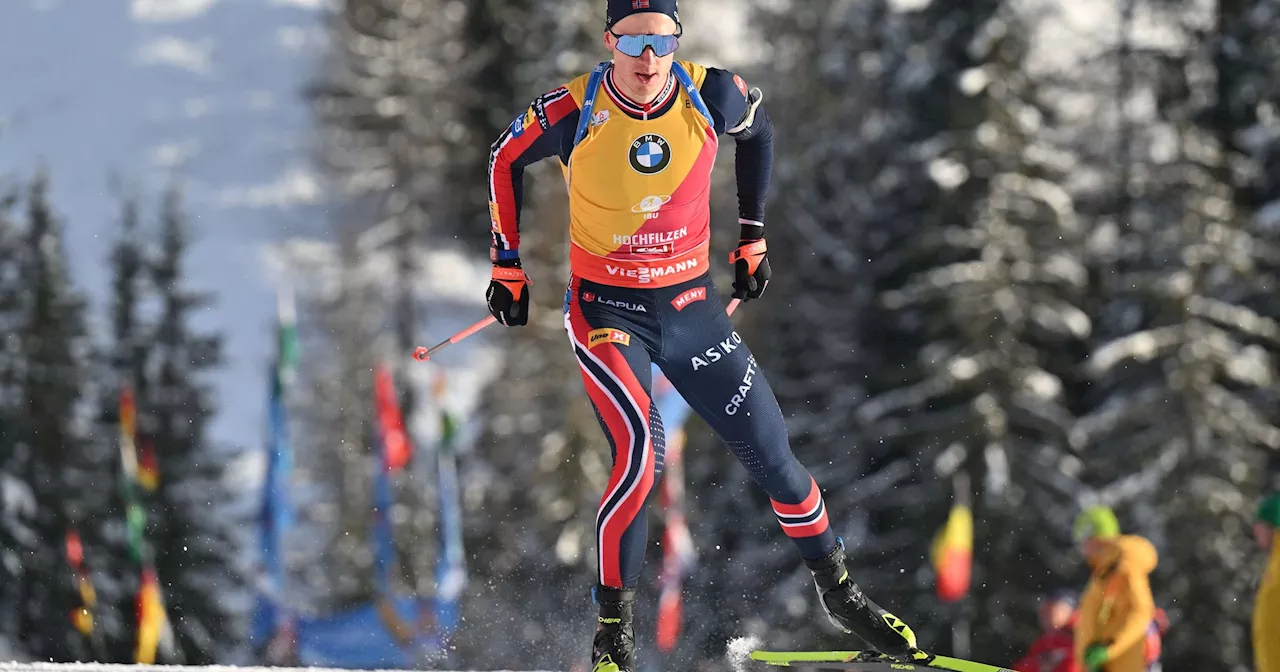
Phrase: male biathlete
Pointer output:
(637, 139)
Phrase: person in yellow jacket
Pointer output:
(1117, 607)
(1266, 611)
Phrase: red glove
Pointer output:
(508, 295)
(750, 269)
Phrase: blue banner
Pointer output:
(373, 636)
(271, 617)
(451, 571)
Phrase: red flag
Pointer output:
(669, 620)
(390, 422)
(128, 432)
(82, 615)
(678, 554)
(75, 550)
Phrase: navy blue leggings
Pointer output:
(616, 333)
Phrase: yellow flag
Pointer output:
(151, 618)
(952, 554)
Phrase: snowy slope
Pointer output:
(203, 89)
(8, 653)
(93, 667)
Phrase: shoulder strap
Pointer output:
(690, 88)
(589, 101)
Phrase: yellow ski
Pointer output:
(868, 661)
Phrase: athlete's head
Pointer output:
(1056, 610)
(643, 36)
(1094, 529)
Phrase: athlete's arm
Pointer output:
(545, 129)
(1142, 610)
(736, 110)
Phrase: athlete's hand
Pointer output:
(1095, 657)
(508, 294)
(750, 263)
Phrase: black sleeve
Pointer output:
(726, 97)
(734, 107)
(753, 165)
(545, 129)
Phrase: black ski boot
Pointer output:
(853, 612)
(614, 647)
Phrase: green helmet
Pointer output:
(1269, 510)
(1095, 522)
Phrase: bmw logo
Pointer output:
(649, 154)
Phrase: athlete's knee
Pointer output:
(765, 448)
(648, 477)
(633, 481)
(788, 480)
(774, 468)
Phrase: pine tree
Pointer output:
(1179, 413)
(388, 115)
(53, 346)
(931, 284)
(98, 520)
(17, 501)
(1003, 328)
(333, 431)
(192, 537)
(1193, 332)
(125, 362)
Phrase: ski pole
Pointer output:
(422, 353)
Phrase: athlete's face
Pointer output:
(1054, 615)
(1263, 533)
(641, 77)
(1093, 548)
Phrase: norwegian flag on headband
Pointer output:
(616, 10)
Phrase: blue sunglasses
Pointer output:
(634, 45)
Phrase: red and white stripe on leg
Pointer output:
(806, 519)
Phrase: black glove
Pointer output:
(508, 294)
(750, 261)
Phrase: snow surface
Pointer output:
(8, 653)
(98, 667)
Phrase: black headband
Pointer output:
(620, 9)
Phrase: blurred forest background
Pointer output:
(1033, 244)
